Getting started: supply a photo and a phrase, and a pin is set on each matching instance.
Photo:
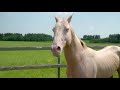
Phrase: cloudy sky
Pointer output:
(100, 23)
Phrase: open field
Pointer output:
(33, 57)
(23, 58)
(22, 43)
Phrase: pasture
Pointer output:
(33, 57)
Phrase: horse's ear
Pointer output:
(56, 19)
(69, 18)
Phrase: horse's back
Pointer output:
(110, 48)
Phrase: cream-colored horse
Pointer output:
(82, 61)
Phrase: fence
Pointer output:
(38, 66)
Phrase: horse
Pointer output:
(83, 61)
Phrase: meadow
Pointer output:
(33, 57)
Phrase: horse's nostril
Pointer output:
(58, 48)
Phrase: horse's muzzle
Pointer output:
(56, 50)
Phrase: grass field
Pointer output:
(33, 57)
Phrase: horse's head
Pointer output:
(62, 35)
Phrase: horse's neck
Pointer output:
(73, 52)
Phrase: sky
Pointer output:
(83, 23)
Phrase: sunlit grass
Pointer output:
(33, 57)
(26, 58)
(22, 43)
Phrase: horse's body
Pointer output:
(108, 61)
(82, 61)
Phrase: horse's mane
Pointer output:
(81, 41)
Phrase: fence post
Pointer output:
(58, 67)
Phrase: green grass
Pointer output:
(22, 43)
(35, 73)
(23, 58)
(100, 44)
(33, 57)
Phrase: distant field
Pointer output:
(33, 57)
(22, 43)
(100, 44)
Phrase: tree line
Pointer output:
(91, 37)
(26, 37)
(112, 38)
